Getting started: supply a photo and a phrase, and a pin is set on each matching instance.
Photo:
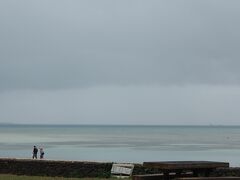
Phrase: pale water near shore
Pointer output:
(123, 143)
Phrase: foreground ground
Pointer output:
(13, 177)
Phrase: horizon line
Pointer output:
(76, 124)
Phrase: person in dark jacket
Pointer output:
(35, 151)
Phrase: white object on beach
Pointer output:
(122, 170)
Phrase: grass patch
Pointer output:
(15, 177)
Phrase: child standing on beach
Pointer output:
(41, 153)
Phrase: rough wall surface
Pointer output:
(61, 168)
(80, 168)
(54, 168)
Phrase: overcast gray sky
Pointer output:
(120, 61)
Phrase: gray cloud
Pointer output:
(59, 44)
(198, 105)
(120, 62)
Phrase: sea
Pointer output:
(123, 143)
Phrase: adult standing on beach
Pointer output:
(35, 151)
(41, 153)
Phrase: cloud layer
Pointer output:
(201, 105)
(59, 44)
(120, 62)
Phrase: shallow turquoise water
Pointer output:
(123, 143)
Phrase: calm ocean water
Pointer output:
(123, 143)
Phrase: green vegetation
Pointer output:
(14, 177)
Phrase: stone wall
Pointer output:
(79, 168)
(61, 168)
(54, 168)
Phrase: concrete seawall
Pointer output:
(60, 168)
(79, 168)
(54, 168)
